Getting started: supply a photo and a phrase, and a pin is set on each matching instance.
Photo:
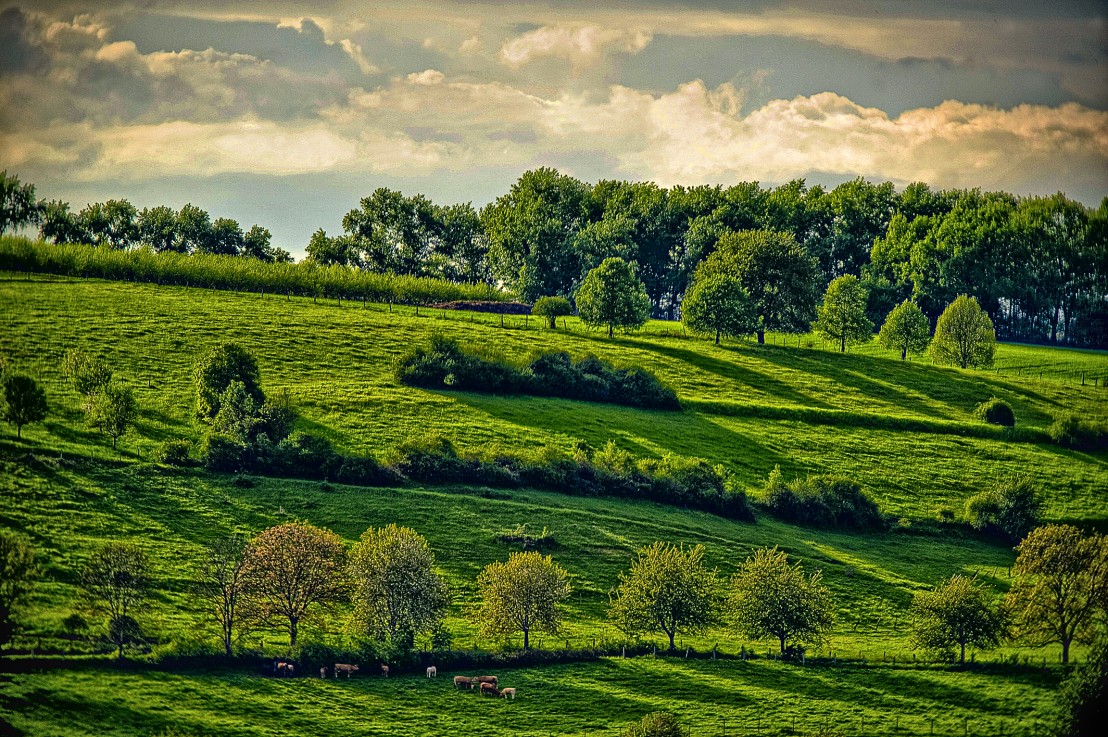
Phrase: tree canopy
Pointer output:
(523, 594)
(613, 295)
(842, 316)
(718, 304)
(956, 613)
(906, 329)
(964, 335)
(22, 400)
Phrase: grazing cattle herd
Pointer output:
(486, 685)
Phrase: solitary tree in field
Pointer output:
(523, 594)
(906, 329)
(17, 203)
(293, 568)
(85, 372)
(770, 598)
(668, 590)
(957, 613)
(214, 373)
(964, 335)
(22, 402)
(222, 583)
(842, 316)
(18, 573)
(116, 581)
(113, 410)
(551, 308)
(397, 592)
(1061, 586)
(777, 273)
(613, 295)
(717, 303)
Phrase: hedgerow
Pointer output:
(821, 501)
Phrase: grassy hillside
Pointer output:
(903, 429)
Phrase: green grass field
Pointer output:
(903, 429)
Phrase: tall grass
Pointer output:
(234, 273)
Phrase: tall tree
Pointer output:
(777, 274)
(18, 572)
(18, 207)
(224, 239)
(906, 329)
(964, 335)
(613, 295)
(394, 233)
(771, 598)
(292, 569)
(462, 241)
(222, 583)
(860, 213)
(523, 594)
(717, 303)
(59, 225)
(116, 581)
(958, 612)
(668, 589)
(22, 400)
(397, 592)
(1061, 585)
(157, 228)
(194, 229)
(842, 316)
(113, 223)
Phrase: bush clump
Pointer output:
(551, 308)
(1009, 510)
(1072, 432)
(657, 724)
(174, 453)
(995, 412)
(444, 364)
(821, 501)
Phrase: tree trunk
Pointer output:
(292, 631)
(761, 337)
(962, 660)
(672, 647)
(1065, 651)
(526, 639)
(19, 431)
(904, 353)
(782, 638)
(842, 343)
(717, 337)
(610, 328)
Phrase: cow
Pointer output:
(384, 670)
(432, 672)
(487, 679)
(346, 668)
(323, 672)
(490, 689)
(506, 692)
(463, 681)
(282, 668)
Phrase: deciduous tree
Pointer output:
(113, 410)
(18, 207)
(291, 570)
(214, 372)
(770, 598)
(717, 303)
(668, 589)
(551, 308)
(85, 372)
(958, 612)
(1061, 585)
(222, 583)
(842, 316)
(397, 592)
(906, 329)
(22, 400)
(964, 335)
(116, 581)
(18, 572)
(523, 594)
(613, 295)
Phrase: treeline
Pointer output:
(1037, 265)
(304, 279)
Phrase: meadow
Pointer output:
(903, 429)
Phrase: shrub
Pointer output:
(995, 412)
(223, 453)
(1072, 432)
(1010, 509)
(552, 308)
(821, 501)
(308, 456)
(174, 453)
(657, 724)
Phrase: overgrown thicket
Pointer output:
(444, 364)
(209, 271)
(821, 501)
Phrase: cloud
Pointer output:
(582, 46)
(354, 51)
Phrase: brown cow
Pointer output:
(284, 669)
(487, 679)
(506, 692)
(346, 668)
(463, 681)
(490, 689)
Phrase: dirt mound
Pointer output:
(502, 308)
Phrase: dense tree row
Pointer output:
(1038, 266)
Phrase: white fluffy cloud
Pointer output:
(582, 46)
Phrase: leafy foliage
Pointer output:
(770, 598)
(1084, 697)
(1061, 585)
(957, 613)
(717, 303)
(18, 207)
(397, 592)
(995, 412)
(552, 308)
(523, 594)
(657, 724)
(116, 581)
(906, 329)
(821, 501)
(222, 582)
(667, 590)
(1010, 509)
(86, 373)
(113, 410)
(964, 335)
(613, 295)
(215, 372)
(22, 400)
(1079, 433)
(842, 316)
(19, 571)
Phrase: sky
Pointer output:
(286, 114)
